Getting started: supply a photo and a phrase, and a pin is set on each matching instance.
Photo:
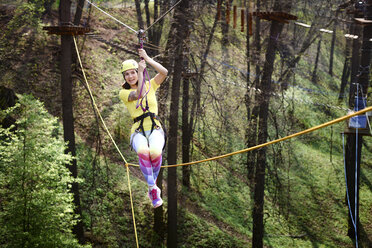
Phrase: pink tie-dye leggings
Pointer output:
(149, 150)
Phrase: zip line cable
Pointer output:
(125, 25)
(112, 139)
(163, 15)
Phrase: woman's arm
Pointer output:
(162, 71)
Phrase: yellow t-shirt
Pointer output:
(135, 112)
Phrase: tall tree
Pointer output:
(354, 142)
(314, 74)
(139, 14)
(355, 62)
(252, 114)
(79, 12)
(182, 23)
(186, 127)
(67, 111)
(167, 61)
(48, 6)
(346, 70)
(225, 26)
(35, 202)
(147, 11)
(188, 117)
(264, 98)
(333, 43)
(157, 29)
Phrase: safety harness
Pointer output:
(140, 118)
(153, 117)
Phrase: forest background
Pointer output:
(227, 90)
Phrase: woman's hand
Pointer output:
(141, 66)
(142, 53)
(162, 72)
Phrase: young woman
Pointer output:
(147, 135)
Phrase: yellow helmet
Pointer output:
(129, 64)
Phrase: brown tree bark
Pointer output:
(182, 23)
(333, 44)
(225, 26)
(167, 61)
(79, 12)
(264, 98)
(139, 14)
(186, 130)
(252, 114)
(67, 112)
(346, 70)
(314, 76)
(354, 142)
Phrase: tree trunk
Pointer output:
(351, 155)
(8, 99)
(186, 135)
(67, 112)
(354, 64)
(162, 100)
(247, 54)
(344, 78)
(181, 35)
(203, 62)
(333, 45)
(314, 74)
(48, 6)
(252, 116)
(346, 69)
(79, 12)
(354, 142)
(139, 14)
(159, 217)
(265, 85)
(156, 31)
(147, 11)
(225, 14)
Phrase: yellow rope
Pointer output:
(131, 204)
(112, 139)
(271, 142)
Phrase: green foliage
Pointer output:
(36, 205)
(16, 38)
(201, 233)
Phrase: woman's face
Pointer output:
(131, 77)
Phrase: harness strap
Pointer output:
(154, 125)
(142, 117)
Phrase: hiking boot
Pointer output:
(154, 195)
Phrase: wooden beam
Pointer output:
(67, 30)
(363, 21)
(275, 16)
